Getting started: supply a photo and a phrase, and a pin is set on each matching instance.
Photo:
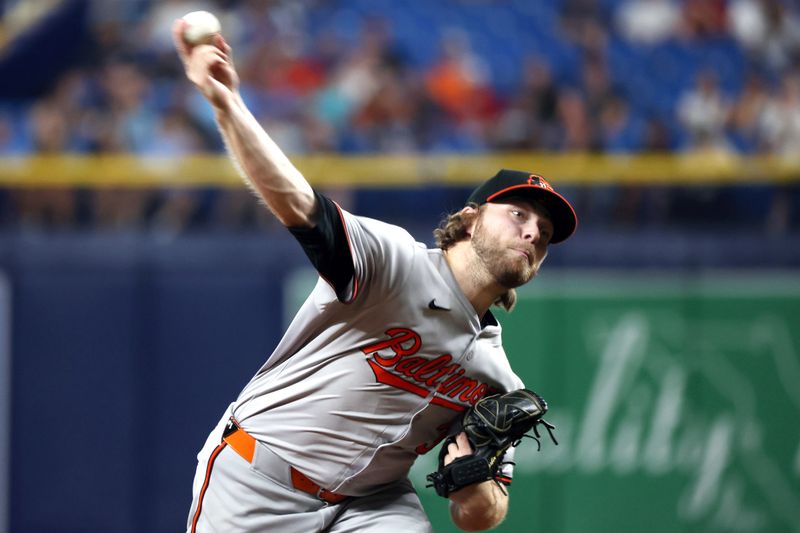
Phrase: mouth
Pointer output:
(526, 254)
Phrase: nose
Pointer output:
(530, 232)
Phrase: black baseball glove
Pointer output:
(493, 425)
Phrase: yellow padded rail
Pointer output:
(333, 170)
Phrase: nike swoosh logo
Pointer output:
(432, 305)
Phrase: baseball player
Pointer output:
(395, 341)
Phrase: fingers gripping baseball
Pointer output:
(460, 447)
(209, 66)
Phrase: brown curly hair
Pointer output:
(455, 228)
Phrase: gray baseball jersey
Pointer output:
(365, 381)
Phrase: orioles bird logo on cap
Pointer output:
(533, 179)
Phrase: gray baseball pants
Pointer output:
(237, 496)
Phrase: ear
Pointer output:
(471, 213)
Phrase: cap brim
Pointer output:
(565, 221)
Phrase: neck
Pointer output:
(475, 282)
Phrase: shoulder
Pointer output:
(375, 227)
(385, 256)
(379, 239)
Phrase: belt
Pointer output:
(245, 445)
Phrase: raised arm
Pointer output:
(264, 166)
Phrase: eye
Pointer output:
(546, 233)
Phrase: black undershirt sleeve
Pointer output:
(327, 247)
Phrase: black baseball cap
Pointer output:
(508, 183)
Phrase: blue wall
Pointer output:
(125, 353)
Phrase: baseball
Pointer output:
(201, 26)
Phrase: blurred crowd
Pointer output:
(366, 76)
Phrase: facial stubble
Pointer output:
(510, 271)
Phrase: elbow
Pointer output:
(294, 211)
(294, 219)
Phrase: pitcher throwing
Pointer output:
(395, 343)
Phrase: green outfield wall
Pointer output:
(676, 400)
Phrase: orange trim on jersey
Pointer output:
(438, 400)
(302, 482)
(209, 466)
(352, 257)
(245, 445)
(387, 378)
(242, 443)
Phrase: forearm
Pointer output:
(479, 507)
(267, 169)
(264, 165)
